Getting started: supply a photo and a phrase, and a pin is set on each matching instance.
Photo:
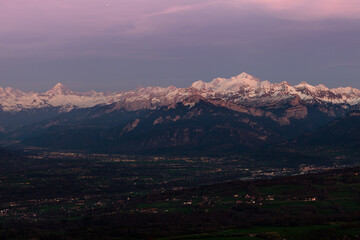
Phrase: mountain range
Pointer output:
(243, 89)
(228, 115)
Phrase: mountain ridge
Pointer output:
(241, 89)
(243, 108)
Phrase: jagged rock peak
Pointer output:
(59, 89)
(59, 86)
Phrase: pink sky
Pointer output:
(52, 24)
(177, 29)
(96, 15)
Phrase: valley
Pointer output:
(55, 194)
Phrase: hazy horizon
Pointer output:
(105, 44)
(115, 90)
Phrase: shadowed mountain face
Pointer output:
(202, 127)
(340, 133)
(14, 120)
(191, 127)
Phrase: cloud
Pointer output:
(98, 26)
(294, 10)
(307, 10)
(148, 22)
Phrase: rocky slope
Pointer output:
(340, 133)
(189, 126)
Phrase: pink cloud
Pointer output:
(146, 23)
(61, 23)
(64, 16)
(305, 10)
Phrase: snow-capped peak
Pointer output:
(245, 88)
(59, 89)
(245, 75)
(311, 88)
(245, 79)
(305, 86)
(322, 87)
(234, 84)
(11, 92)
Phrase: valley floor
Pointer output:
(53, 195)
